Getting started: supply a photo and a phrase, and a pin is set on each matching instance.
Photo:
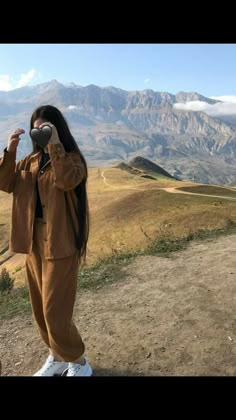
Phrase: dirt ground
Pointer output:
(170, 316)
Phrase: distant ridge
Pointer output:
(112, 125)
(138, 165)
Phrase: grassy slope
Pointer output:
(128, 211)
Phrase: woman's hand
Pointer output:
(54, 139)
(13, 139)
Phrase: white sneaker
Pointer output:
(75, 369)
(51, 367)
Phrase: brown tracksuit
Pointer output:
(50, 243)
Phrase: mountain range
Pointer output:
(112, 125)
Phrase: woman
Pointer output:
(50, 225)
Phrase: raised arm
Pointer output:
(8, 162)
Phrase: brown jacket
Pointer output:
(56, 183)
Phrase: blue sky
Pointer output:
(209, 69)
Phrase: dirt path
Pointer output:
(178, 191)
(170, 316)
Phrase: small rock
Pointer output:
(148, 354)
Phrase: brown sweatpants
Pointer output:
(52, 287)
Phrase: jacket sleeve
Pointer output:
(68, 168)
(7, 171)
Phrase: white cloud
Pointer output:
(25, 78)
(220, 108)
(147, 81)
(5, 83)
(72, 107)
(192, 106)
(226, 98)
(9, 83)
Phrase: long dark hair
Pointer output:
(54, 116)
